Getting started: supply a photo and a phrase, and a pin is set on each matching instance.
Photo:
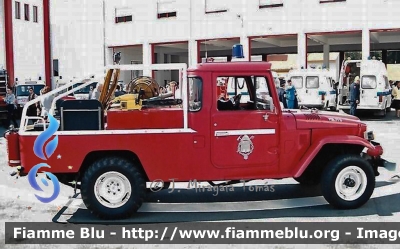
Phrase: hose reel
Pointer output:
(148, 85)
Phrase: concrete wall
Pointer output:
(28, 43)
(78, 40)
(77, 37)
(2, 41)
(296, 16)
(245, 18)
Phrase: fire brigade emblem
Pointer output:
(245, 146)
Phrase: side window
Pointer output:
(263, 92)
(312, 82)
(297, 82)
(243, 93)
(235, 86)
(368, 82)
(195, 89)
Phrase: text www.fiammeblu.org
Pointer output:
(169, 233)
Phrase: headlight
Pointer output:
(369, 135)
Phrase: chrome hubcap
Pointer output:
(351, 183)
(112, 189)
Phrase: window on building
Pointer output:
(26, 10)
(123, 15)
(55, 68)
(216, 6)
(155, 58)
(195, 89)
(243, 93)
(166, 8)
(135, 73)
(270, 3)
(17, 10)
(35, 14)
(331, 1)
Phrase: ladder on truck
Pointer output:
(3, 92)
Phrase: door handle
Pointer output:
(221, 133)
(306, 91)
(362, 91)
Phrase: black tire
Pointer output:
(340, 165)
(124, 168)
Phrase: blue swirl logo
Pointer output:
(43, 137)
(35, 185)
(44, 152)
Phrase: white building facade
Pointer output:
(75, 38)
(190, 29)
(25, 49)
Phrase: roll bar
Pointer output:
(182, 67)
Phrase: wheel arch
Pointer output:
(320, 153)
(93, 156)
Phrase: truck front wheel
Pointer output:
(348, 182)
(113, 188)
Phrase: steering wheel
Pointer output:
(237, 101)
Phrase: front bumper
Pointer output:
(376, 150)
(373, 156)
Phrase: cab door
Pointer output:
(246, 137)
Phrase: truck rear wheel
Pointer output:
(113, 188)
(348, 182)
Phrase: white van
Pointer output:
(315, 88)
(275, 76)
(22, 91)
(82, 93)
(241, 87)
(375, 90)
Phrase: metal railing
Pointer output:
(182, 67)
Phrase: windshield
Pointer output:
(23, 90)
(86, 89)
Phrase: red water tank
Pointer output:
(12, 137)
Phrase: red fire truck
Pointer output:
(113, 151)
